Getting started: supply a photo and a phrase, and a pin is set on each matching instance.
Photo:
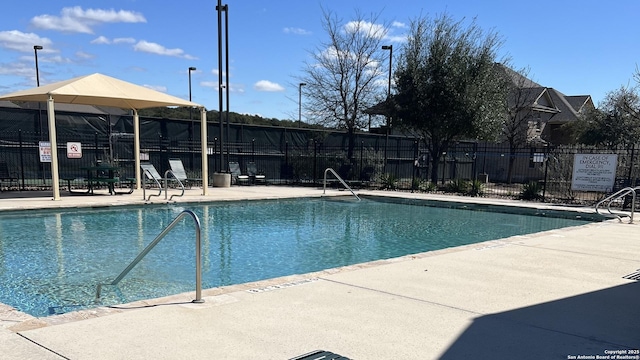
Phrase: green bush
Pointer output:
(457, 186)
(389, 182)
(424, 185)
(476, 188)
(531, 191)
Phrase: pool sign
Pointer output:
(74, 150)
(594, 172)
(45, 151)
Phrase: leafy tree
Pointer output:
(616, 122)
(447, 88)
(340, 79)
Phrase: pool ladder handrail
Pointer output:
(144, 188)
(617, 195)
(151, 245)
(324, 191)
(166, 184)
(160, 187)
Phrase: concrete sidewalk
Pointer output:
(544, 296)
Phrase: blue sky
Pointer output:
(578, 47)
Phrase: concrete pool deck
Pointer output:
(548, 295)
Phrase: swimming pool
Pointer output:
(51, 261)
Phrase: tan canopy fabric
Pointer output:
(102, 90)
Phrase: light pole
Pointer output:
(386, 139)
(390, 48)
(35, 50)
(300, 104)
(191, 68)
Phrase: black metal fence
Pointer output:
(468, 168)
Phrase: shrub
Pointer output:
(531, 191)
(389, 182)
(476, 188)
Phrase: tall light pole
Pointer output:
(390, 48)
(191, 159)
(300, 104)
(35, 50)
(191, 68)
(386, 139)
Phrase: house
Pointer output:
(544, 109)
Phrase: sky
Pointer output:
(577, 47)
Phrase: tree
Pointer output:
(447, 88)
(521, 95)
(616, 122)
(341, 77)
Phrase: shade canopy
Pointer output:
(102, 90)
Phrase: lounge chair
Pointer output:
(236, 175)
(178, 171)
(252, 172)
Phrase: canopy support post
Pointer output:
(55, 177)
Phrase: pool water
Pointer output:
(51, 261)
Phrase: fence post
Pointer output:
(95, 146)
(361, 155)
(21, 157)
(315, 159)
(287, 173)
(253, 150)
(415, 164)
(629, 175)
(546, 171)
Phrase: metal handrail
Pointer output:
(166, 184)
(144, 187)
(151, 245)
(324, 191)
(617, 195)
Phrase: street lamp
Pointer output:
(300, 104)
(191, 68)
(390, 48)
(386, 138)
(35, 50)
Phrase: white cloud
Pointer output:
(296, 31)
(75, 19)
(84, 55)
(100, 40)
(24, 42)
(399, 24)
(156, 88)
(153, 48)
(268, 86)
(368, 28)
(124, 40)
(397, 38)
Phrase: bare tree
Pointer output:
(521, 97)
(342, 77)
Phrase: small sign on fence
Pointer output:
(74, 150)
(594, 172)
(45, 151)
